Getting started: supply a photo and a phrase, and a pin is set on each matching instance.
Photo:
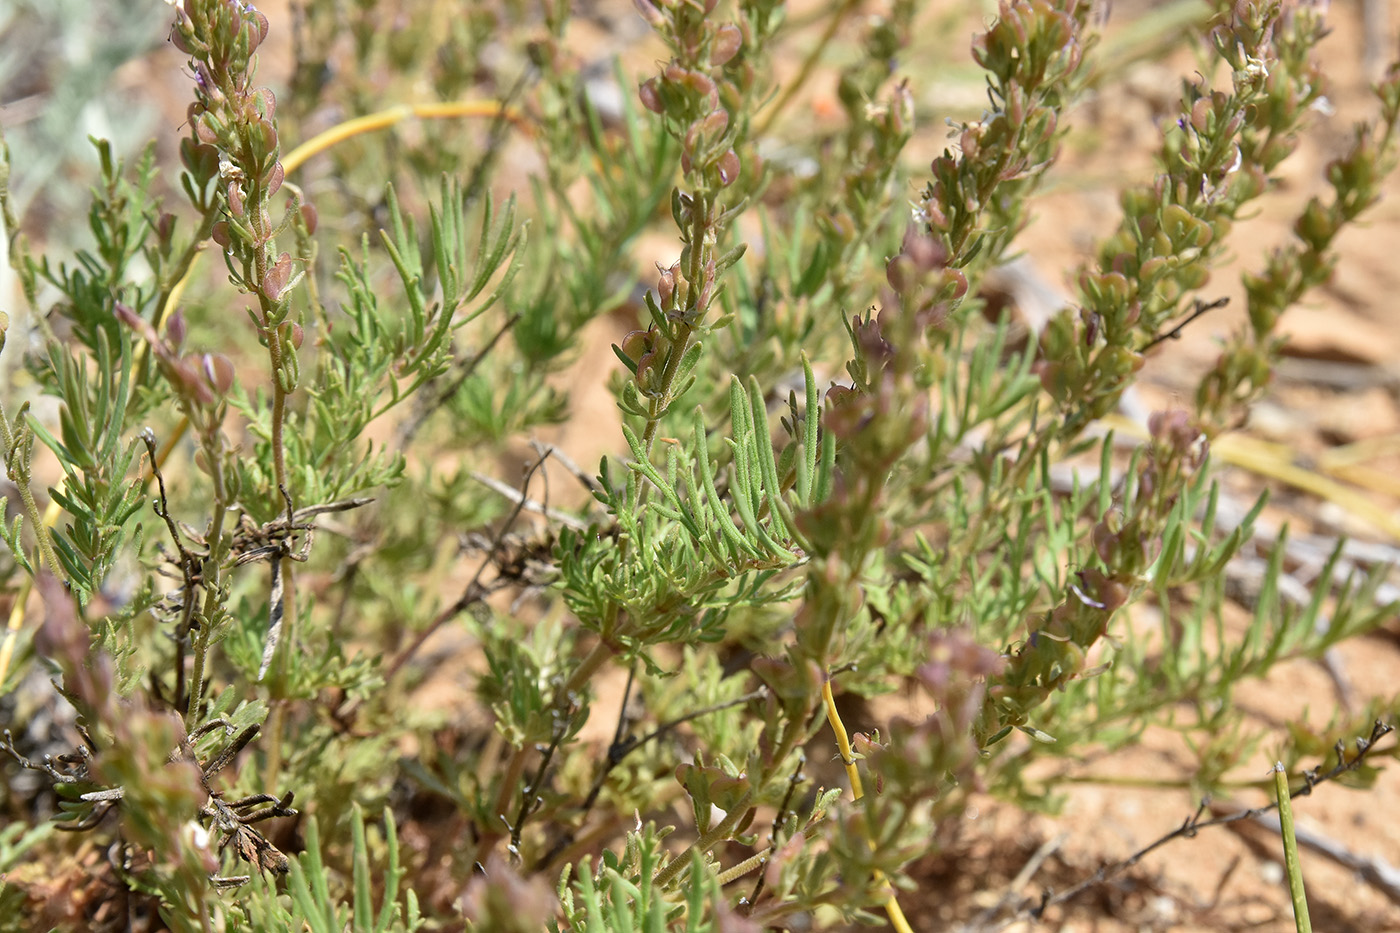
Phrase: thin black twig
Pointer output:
(76, 763)
(666, 727)
(530, 799)
(474, 592)
(1194, 824)
(622, 743)
(495, 142)
(1202, 308)
(230, 751)
(622, 746)
(797, 777)
(191, 571)
(423, 412)
(1375, 871)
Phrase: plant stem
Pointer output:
(22, 480)
(600, 655)
(717, 834)
(843, 742)
(660, 405)
(1290, 851)
(211, 574)
(809, 65)
(384, 119)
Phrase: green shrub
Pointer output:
(249, 550)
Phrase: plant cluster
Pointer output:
(235, 564)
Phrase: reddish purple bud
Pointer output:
(499, 897)
(926, 252)
(219, 371)
(648, 375)
(178, 37)
(1105, 542)
(707, 286)
(901, 274)
(201, 161)
(666, 283)
(970, 142)
(204, 81)
(259, 30)
(955, 281)
(308, 217)
(714, 124)
(175, 329)
(650, 13)
(728, 41)
(651, 96)
(186, 375)
(292, 333)
(902, 109)
(696, 81)
(274, 178)
(220, 234)
(264, 135)
(165, 226)
(1162, 423)
(266, 102)
(277, 277)
(837, 396)
(235, 199)
(139, 324)
(729, 167)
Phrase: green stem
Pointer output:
(668, 377)
(22, 480)
(1290, 851)
(717, 834)
(515, 767)
(212, 571)
(600, 655)
(808, 66)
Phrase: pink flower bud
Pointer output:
(666, 284)
(266, 103)
(175, 329)
(274, 178)
(902, 109)
(219, 371)
(291, 333)
(650, 13)
(729, 167)
(728, 41)
(651, 96)
(900, 273)
(235, 199)
(277, 277)
(955, 281)
(259, 31)
(634, 344)
(648, 373)
(178, 37)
